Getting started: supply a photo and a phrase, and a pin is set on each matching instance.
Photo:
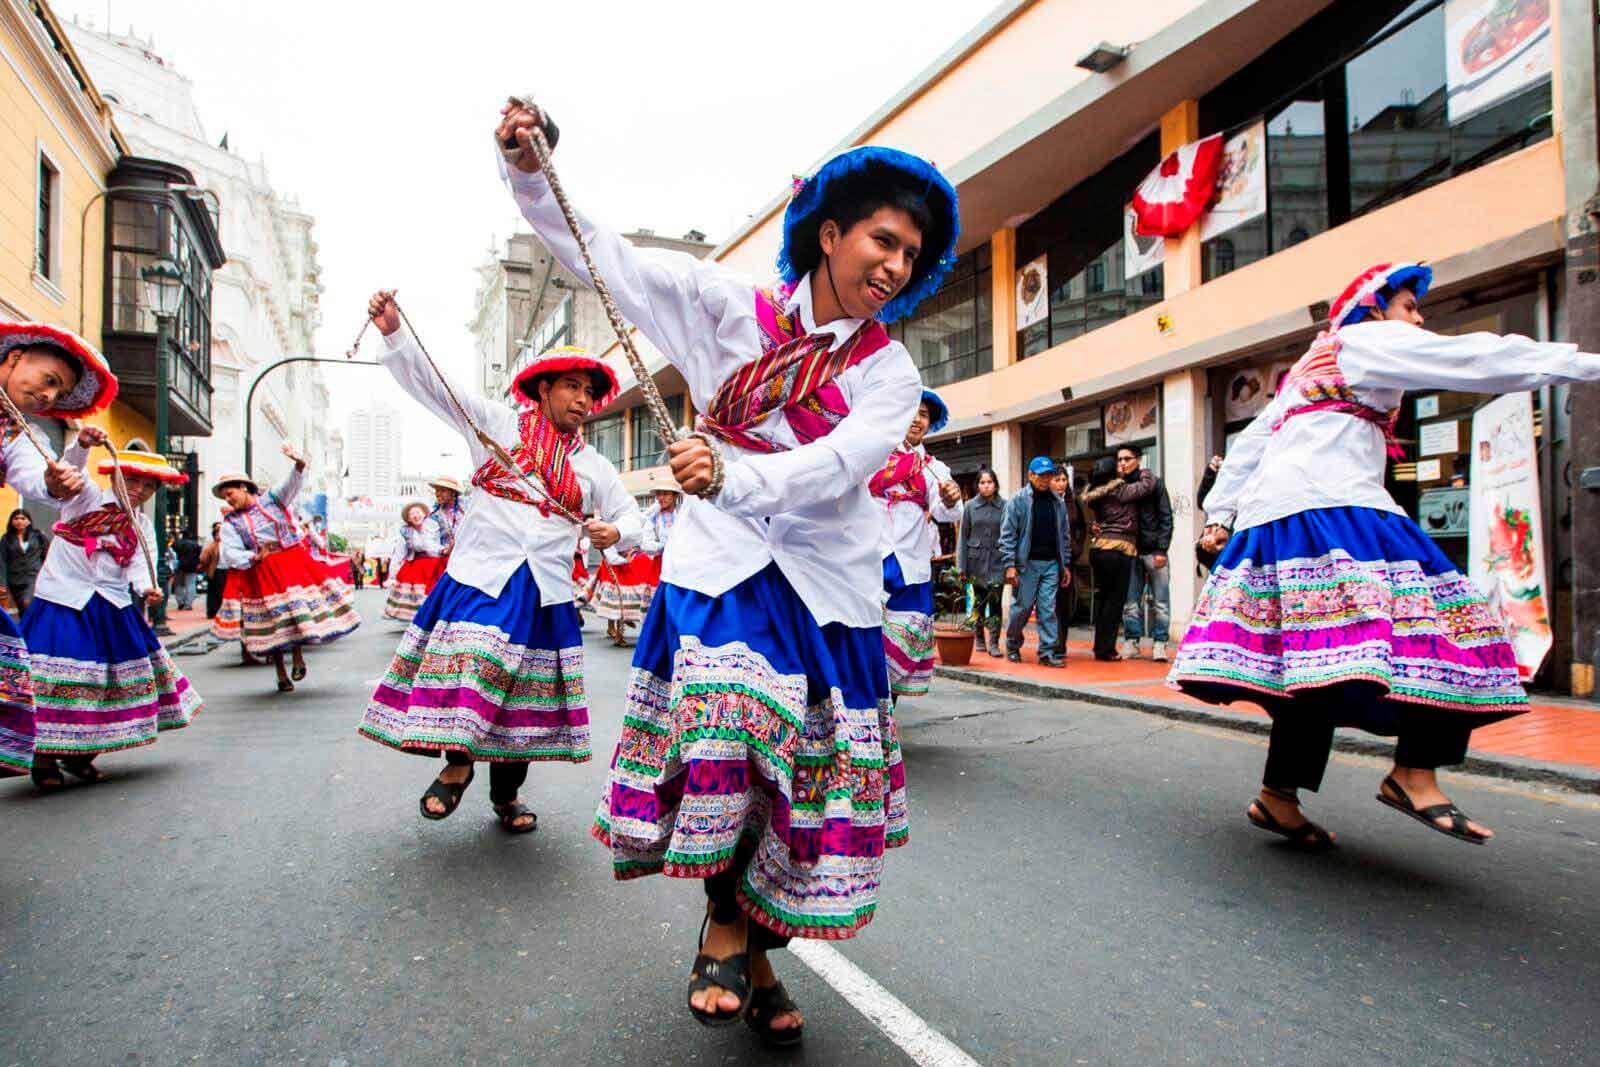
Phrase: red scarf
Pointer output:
(895, 481)
(544, 453)
(794, 373)
(108, 530)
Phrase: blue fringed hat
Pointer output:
(806, 213)
(938, 410)
(1363, 295)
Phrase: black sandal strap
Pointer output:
(766, 1006)
(447, 793)
(510, 813)
(731, 974)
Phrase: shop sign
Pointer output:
(1249, 389)
(1506, 541)
(1494, 49)
(1439, 438)
(1033, 293)
(1241, 183)
(1445, 512)
(1130, 418)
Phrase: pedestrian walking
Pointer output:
(418, 563)
(758, 751)
(278, 598)
(187, 570)
(102, 680)
(1328, 606)
(1111, 507)
(22, 549)
(978, 557)
(1149, 570)
(491, 667)
(1035, 548)
(358, 568)
(216, 574)
(916, 491)
(1061, 486)
(447, 512)
(45, 372)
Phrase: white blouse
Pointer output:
(71, 577)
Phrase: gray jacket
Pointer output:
(978, 554)
(1016, 530)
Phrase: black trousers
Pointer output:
(1302, 741)
(721, 890)
(505, 779)
(1112, 573)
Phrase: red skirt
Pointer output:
(285, 600)
(412, 583)
(624, 593)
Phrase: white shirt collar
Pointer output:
(800, 300)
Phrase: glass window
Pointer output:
(1096, 296)
(605, 436)
(949, 336)
(43, 240)
(648, 451)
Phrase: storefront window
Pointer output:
(950, 337)
(648, 451)
(605, 436)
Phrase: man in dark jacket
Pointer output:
(1035, 540)
(187, 575)
(1150, 567)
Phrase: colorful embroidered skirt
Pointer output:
(499, 678)
(102, 681)
(624, 593)
(1353, 604)
(744, 717)
(412, 583)
(285, 600)
(907, 631)
(16, 701)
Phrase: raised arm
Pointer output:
(1139, 488)
(827, 468)
(1398, 355)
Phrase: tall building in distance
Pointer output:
(372, 446)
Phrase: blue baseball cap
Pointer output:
(1041, 465)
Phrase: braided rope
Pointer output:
(119, 485)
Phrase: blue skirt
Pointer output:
(102, 681)
(499, 678)
(16, 701)
(907, 631)
(745, 717)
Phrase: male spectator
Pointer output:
(188, 570)
(1150, 566)
(1035, 536)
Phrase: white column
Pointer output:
(1183, 455)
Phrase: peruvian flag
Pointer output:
(1172, 197)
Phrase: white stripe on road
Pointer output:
(904, 1027)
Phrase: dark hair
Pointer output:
(45, 348)
(1138, 453)
(216, 526)
(1105, 469)
(24, 513)
(990, 472)
(854, 197)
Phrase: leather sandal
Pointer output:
(731, 974)
(47, 776)
(1401, 802)
(83, 769)
(510, 813)
(448, 794)
(1308, 836)
(768, 1004)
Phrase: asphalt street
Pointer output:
(1081, 887)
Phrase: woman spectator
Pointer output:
(22, 550)
(1116, 485)
(978, 557)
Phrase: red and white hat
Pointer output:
(97, 386)
(136, 463)
(1365, 294)
(564, 360)
(1172, 196)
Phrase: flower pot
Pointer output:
(954, 644)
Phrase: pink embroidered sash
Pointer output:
(900, 480)
(795, 373)
(105, 530)
(1320, 380)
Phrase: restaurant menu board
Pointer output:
(1506, 540)
(1494, 49)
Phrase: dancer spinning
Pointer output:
(622, 588)
(758, 748)
(277, 598)
(491, 668)
(102, 681)
(44, 371)
(417, 565)
(447, 511)
(1328, 606)
(917, 491)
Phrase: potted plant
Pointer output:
(955, 623)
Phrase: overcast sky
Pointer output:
(674, 116)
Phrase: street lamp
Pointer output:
(163, 293)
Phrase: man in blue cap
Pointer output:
(1034, 548)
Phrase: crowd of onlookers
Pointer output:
(1119, 525)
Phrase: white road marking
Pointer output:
(883, 1009)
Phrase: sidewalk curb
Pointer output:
(185, 639)
(1513, 768)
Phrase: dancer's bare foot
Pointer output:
(762, 976)
(453, 774)
(722, 942)
(299, 670)
(1422, 790)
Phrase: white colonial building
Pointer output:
(264, 300)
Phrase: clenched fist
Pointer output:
(691, 464)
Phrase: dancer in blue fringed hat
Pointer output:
(758, 750)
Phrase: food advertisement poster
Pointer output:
(1130, 418)
(1241, 183)
(1139, 253)
(1250, 389)
(1506, 541)
(1033, 293)
(1493, 49)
